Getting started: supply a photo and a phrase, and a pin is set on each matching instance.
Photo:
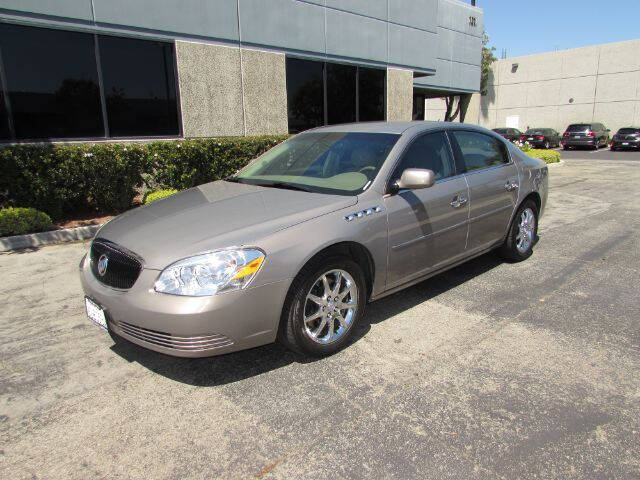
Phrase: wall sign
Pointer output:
(472, 21)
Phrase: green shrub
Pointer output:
(18, 221)
(547, 156)
(158, 194)
(63, 179)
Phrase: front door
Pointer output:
(427, 227)
(493, 186)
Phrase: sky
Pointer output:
(524, 27)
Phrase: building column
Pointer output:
(399, 94)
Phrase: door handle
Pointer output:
(510, 186)
(459, 201)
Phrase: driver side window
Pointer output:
(430, 152)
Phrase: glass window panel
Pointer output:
(305, 94)
(341, 93)
(139, 86)
(431, 152)
(52, 81)
(371, 90)
(479, 150)
(5, 134)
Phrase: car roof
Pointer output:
(393, 127)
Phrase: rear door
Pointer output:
(427, 227)
(493, 186)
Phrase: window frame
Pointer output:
(389, 189)
(460, 155)
(106, 137)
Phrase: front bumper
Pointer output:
(188, 326)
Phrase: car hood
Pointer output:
(214, 215)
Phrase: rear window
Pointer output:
(536, 131)
(501, 130)
(627, 131)
(578, 127)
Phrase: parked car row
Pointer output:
(591, 135)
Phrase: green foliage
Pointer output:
(63, 179)
(487, 59)
(158, 194)
(547, 156)
(18, 221)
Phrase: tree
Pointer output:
(463, 100)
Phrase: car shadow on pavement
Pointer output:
(233, 367)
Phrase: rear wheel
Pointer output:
(518, 245)
(325, 302)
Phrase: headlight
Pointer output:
(211, 273)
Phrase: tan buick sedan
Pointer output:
(293, 246)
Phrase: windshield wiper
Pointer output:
(284, 185)
(233, 179)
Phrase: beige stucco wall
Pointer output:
(600, 83)
(226, 92)
(399, 94)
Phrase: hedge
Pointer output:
(547, 156)
(18, 221)
(151, 197)
(63, 179)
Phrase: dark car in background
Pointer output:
(511, 134)
(628, 137)
(541, 137)
(591, 135)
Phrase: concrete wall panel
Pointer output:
(210, 89)
(568, 114)
(512, 96)
(617, 87)
(580, 89)
(355, 36)
(465, 76)
(543, 93)
(579, 62)
(370, 8)
(615, 115)
(455, 16)
(619, 57)
(217, 19)
(77, 9)
(265, 92)
(285, 24)
(411, 47)
(399, 94)
(420, 14)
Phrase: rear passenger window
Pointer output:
(480, 151)
(430, 152)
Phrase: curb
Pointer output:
(557, 164)
(34, 240)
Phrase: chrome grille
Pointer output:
(193, 344)
(123, 267)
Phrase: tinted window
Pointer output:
(578, 127)
(371, 90)
(628, 131)
(341, 93)
(5, 134)
(139, 86)
(331, 162)
(52, 81)
(480, 151)
(431, 152)
(502, 130)
(305, 94)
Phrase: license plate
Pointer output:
(95, 313)
(625, 143)
(530, 138)
(576, 136)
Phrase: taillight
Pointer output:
(540, 137)
(565, 134)
(523, 138)
(591, 134)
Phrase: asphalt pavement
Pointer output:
(492, 370)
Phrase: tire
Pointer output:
(513, 249)
(296, 333)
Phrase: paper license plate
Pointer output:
(95, 313)
(576, 136)
(625, 143)
(530, 138)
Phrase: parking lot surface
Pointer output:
(601, 154)
(492, 370)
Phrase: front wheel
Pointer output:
(518, 245)
(325, 302)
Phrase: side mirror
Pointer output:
(416, 178)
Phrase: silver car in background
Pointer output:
(293, 246)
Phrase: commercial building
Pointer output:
(112, 69)
(600, 83)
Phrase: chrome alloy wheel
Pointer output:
(330, 307)
(526, 230)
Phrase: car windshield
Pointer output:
(535, 131)
(578, 127)
(628, 131)
(342, 163)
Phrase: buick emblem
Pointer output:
(103, 262)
